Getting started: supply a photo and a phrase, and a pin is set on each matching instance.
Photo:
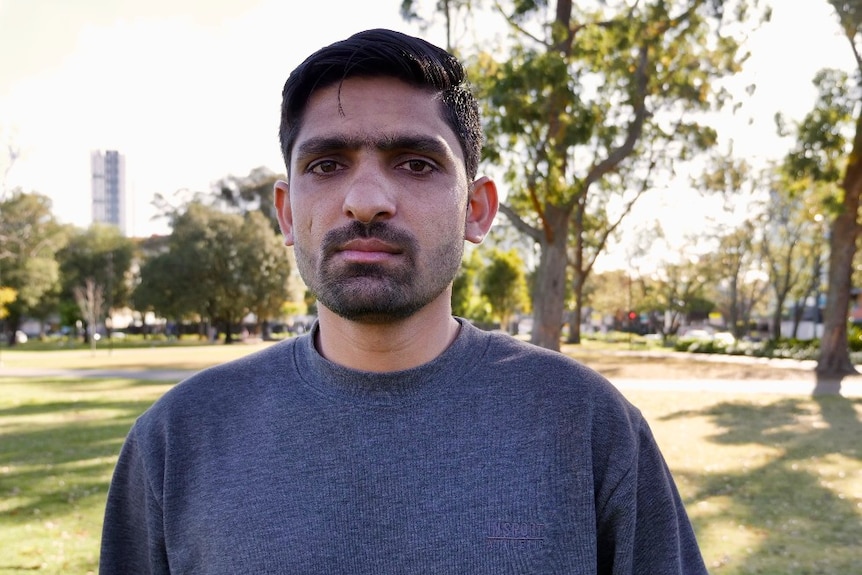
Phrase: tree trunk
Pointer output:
(12, 323)
(834, 357)
(775, 332)
(776, 318)
(834, 360)
(550, 290)
(577, 314)
(798, 312)
(733, 308)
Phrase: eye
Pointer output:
(417, 166)
(324, 167)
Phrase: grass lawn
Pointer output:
(773, 483)
(59, 439)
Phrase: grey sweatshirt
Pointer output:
(497, 457)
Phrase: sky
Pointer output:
(189, 90)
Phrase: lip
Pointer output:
(368, 250)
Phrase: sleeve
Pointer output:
(133, 531)
(643, 528)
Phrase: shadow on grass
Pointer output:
(59, 440)
(57, 452)
(800, 506)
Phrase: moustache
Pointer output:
(400, 239)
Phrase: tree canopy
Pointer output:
(592, 102)
(217, 267)
(31, 237)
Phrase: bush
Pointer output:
(785, 348)
(854, 337)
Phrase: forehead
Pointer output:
(372, 109)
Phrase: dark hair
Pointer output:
(388, 54)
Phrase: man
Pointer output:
(393, 438)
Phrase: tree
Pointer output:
(739, 285)
(31, 237)
(203, 254)
(790, 243)
(736, 262)
(466, 300)
(452, 11)
(102, 255)
(834, 357)
(90, 298)
(162, 288)
(821, 153)
(504, 285)
(676, 292)
(266, 268)
(253, 192)
(611, 293)
(585, 113)
(218, 267)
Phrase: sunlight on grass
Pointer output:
(180, 357)
(773, 484)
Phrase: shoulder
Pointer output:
(506, 354)
(521, 367)
(550, 390)
(225, 386)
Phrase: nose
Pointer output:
(369, 196)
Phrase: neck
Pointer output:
(393, 346)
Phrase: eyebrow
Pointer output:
(417, 143)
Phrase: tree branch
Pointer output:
(520, 224)
(627, 208)
(635, 129)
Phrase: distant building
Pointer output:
(108, 176)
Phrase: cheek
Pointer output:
(443, 228)
(307, 217)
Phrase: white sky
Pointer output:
(189, 90)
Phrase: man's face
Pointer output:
(376, 199)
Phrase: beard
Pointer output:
(378, 292)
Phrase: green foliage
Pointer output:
(214, 266)
(467, 301)
(30, 237)
(611, 292)
(217, 267)
(585, 116)
(794, 220)
(827, 154)
(854, 338)
(678, 292)
(783, 348)
(251, 193)
(504, 285)
(738, 287)
(823, 137)
(101, 254)
(265, 270)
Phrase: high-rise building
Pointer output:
(108, 173)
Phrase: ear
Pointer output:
(482, 205)
(281, 195)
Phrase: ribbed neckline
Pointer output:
(389, 388)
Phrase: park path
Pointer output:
(148, 374)
(849, 387)
(810, 386)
